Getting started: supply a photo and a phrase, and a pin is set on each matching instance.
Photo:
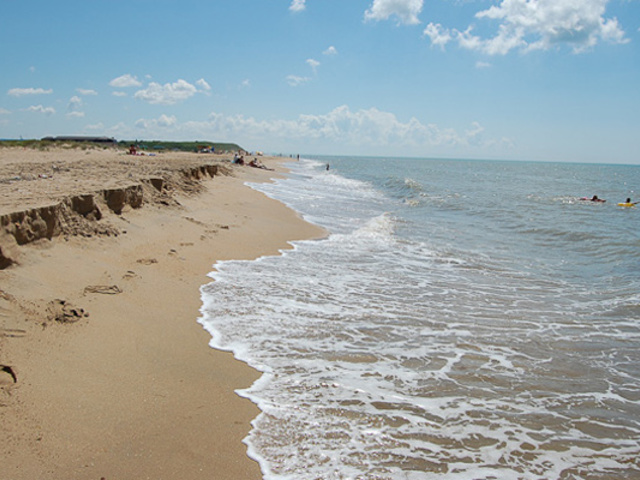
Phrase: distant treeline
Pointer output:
(103, 142)
(196, 146)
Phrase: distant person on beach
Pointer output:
(327, 167)
(238, 159)
(258, 164)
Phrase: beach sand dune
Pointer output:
(104, 371)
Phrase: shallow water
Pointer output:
(463, 320)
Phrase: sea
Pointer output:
(460, 320)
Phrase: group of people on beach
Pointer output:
(255, 163)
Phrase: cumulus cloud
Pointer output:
(406, 11)
(330, 51)
(204, 86)
(86, 92)
(118, 93)
(163, 121)
(75, 102)
(74, 107)
(536, 25)
(373, 127)
(167, 121)
(124, 81)
(296, 81)
(41, 109)
(297, 5)
(439, 36)
(167, 94)
(314, 64)
(21, 92)
(360, 130)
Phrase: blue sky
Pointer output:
(554, 80)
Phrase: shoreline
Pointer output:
(128, 386)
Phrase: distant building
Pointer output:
(81, 139)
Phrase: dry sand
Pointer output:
(104, 370)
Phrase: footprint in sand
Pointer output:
(103, 289)
(7, 375)
(147, 261)
(12, 332)
(130, 275)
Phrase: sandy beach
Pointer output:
(104, 371)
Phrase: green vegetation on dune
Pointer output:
(196, 146)
(46, 144)
(145, 145)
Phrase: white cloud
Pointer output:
(341, 129)
(480, 64)
(246, 83)
(330, 51)
(406, 11)
(84, 91)
(163, 121)
(372, 127)
(204, 86)
(124, 81)
(118, 93)
(40, 109)
(4, 111)
(314, 64)
(437, 34)
(473, 136)
(296, 81)
(167, 121)
(20, 92)
(74, 107)
(167, 94)
(297, 5)
(537, 25)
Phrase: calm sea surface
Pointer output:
(463, 320)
